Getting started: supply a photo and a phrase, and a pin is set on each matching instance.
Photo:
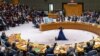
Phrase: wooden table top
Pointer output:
(71, 25)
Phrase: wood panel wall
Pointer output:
(15, 1)
(73, 9)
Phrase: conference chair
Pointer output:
(92, 53)
(50, 55)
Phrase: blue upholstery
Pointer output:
(92, 53)
(50, 55)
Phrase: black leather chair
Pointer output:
(92, 53)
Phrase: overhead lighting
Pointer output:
(72, 2)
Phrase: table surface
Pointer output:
(71, 25)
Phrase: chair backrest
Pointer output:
(31, 54)
(50, 55)
(92, 53)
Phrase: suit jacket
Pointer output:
(50, 50)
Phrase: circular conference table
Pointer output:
(71, 25)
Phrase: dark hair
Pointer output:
(88, 43)
(48, 46)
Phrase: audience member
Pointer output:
(3, 36)
(50, 50)
(89, 47)
(7, 44)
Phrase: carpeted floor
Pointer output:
(28, 31)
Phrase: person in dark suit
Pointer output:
(34, 20)
(50, 50)
(3, 36)
(30, 50)
(69, 18)
(7, 44)
(88, 48)
(9, 52)
(74, 18)
(13, 46)
(1, 24)
(5, 23)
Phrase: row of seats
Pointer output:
(42, 47)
